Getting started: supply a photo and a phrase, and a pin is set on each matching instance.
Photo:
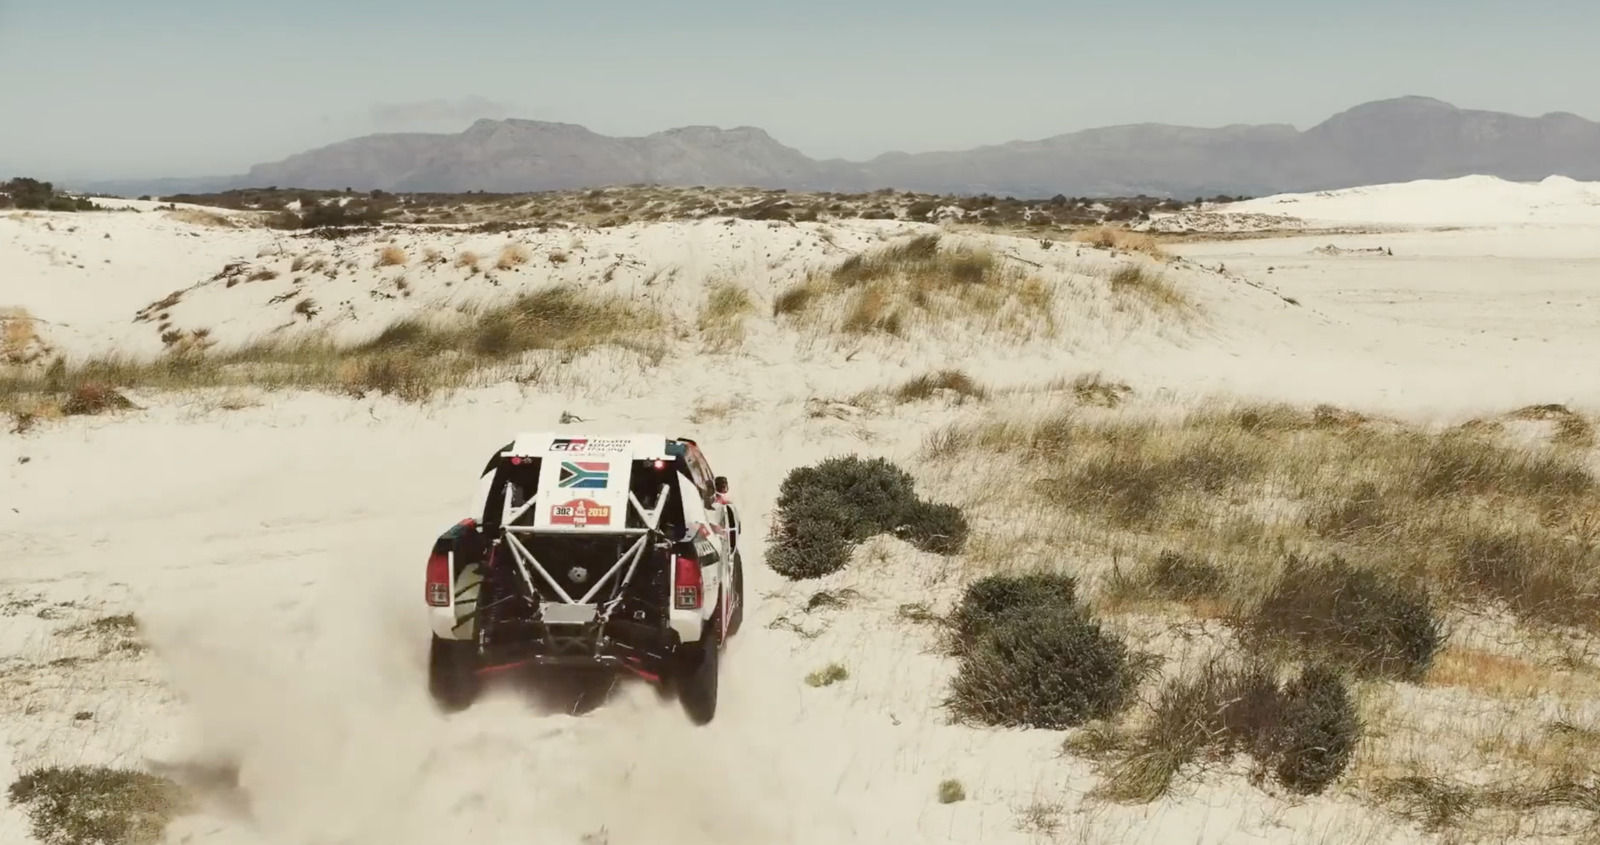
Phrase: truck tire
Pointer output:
(736, 618)
(452, 677)
(697, 678)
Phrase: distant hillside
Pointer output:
(1385, 141)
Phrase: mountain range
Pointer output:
(1391, 140)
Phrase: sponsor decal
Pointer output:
(584, 475)
(580, 513)
(705, 551)
(585, 444)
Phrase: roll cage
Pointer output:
(653, 519)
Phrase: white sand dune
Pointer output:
(1464, 201)
(275, 553)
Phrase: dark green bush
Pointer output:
(879, 491)
(1044, 667)
(934, 527)
(1317, 730)
(27, 193)
(809, 540)
(1374, 624)
(826, 509)
(991, 598)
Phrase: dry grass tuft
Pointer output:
(1172, 576)
(944, 382)
(1571, 428)
(201, 217)
(468, 261)
(1490, 674)
(1150, 286)
(920, 280)
(512, 255)
(93, 805)
(412, 359)
(1094, 389)
(951, 791)
(19, 338)
(1111, 237)
(91, 398)
(1303, 732)
(723, 314)
(1440, 803)
(828, 675)
(392, 256)
(715, 412)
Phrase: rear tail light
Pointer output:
(685, 583)
(438, 586)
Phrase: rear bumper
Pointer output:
(647, 650)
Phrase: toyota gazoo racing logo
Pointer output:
(586, 444)
(580, 513)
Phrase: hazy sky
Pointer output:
(118, 88)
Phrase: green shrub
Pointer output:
(825, 510)
(879, 492)
(1043, 667)
(1375, 624)
(935, 527)
(809, 540)
(1317, 730)
(27, 193)
(991, 598)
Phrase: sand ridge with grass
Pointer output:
(218, 582)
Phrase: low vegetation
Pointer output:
(951, 791)
(920, 280)
(1332, 553)
(1302, 733)
(1032, 656)
(723, 314)
(1481, 518)
(828, 675)
(953, 383)
(96, 805)
(19, 338)
(1150, 286)
(1113, 237)
(825, 510)
(412, 359)
(29, 194)
(624, 204)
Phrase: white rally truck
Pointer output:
(617, 551)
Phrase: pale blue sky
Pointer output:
(120, 88)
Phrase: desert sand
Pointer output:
(270, 544)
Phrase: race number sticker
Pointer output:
(580, 513)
